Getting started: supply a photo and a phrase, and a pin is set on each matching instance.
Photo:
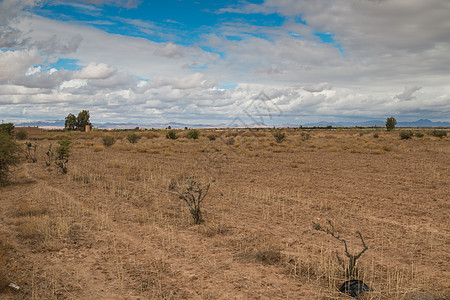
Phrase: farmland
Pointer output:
(112, 229)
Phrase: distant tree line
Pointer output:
(79, 122)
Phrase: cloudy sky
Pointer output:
(212, 62)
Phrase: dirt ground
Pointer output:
(111, 228)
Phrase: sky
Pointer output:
(225, 61)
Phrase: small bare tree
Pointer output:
(192, 193)
(350, 270)
(30, 151)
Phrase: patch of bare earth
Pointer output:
(112, 229)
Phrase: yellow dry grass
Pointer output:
(111, 228)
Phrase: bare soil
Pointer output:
(112, 229)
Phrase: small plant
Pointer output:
(406, 135)
(108, 140)
(305, 136)
(62, 154)
(49, 156)
(438, 133)
(375, 135)
(193, 134)
(230, 141)
(171, 134)
(350, 270)
(30, 151)
(212, 137)
(390, 123)
(133, 138)
(192, 193)
(279, 136)
(21, 135)
(9, 156)
(419, 134)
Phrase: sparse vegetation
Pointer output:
(30, 151)
(438, 133)
(406, 135)
(171, 134)
(350, 269)
(113, 218)
(279, 136)
(49, 155)
(63, 154)
(108, 140)
(133, 138)
(375, 135)
(305, 136)
(212, 137)
(9, 157)
(192, 193)
(21, 135)
(193, 134)
(419, 134)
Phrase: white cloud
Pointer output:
(95, 71)
(387, 46)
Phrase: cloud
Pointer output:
(318, 88)
(120, 3)
(169, 50)
(408, 93)
(54, 46)
(14, 64)
(196, 80)
(10, 36)
(95, 71)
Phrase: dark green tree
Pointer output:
(390, 123)
(71, 122)
(83, 120)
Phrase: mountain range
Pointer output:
(59, 124)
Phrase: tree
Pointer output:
(83, 120)
(390, 123)
(71, 122)
(79, 122)
(9, 151)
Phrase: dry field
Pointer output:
(111, 228)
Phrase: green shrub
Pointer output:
(21, 135)
(7, 128)
(108, 140)
(193, 134)
(171, 134)
(419, 134)
(375, 135)
(9, 156)
(133, 138)
(62, 154)
(405, 135)
(212, 137)
(279, 136)
(305, 136)
(438, 133)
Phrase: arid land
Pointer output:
(112, 229)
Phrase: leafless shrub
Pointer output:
(192, 193)
(350, 270)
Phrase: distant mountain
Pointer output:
(378, 123)
(59, 124)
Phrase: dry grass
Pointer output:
(111, 229)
